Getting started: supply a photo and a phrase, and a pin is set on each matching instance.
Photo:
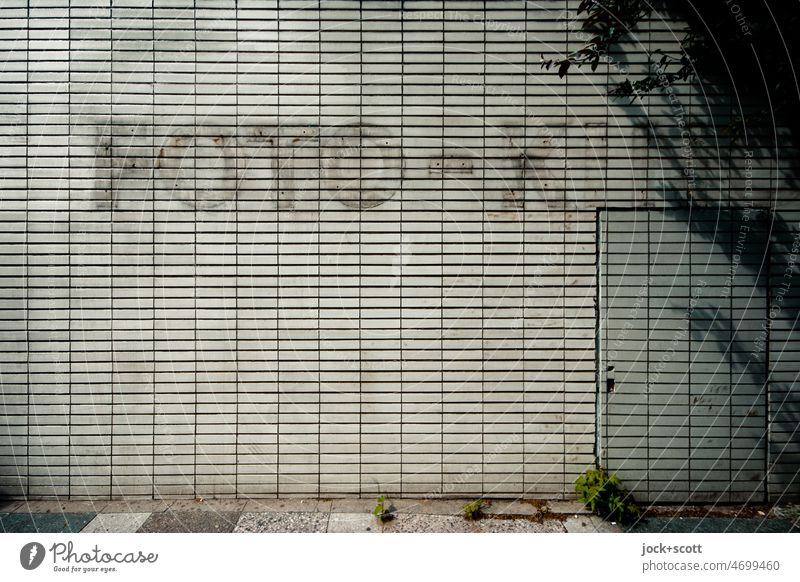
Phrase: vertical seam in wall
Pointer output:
(690, 357)
(110, 129)
(608, 148)
(69, 250)
(769, 219)
(648, 386)
(194, 248)
(402, 197)
(153, 239)
(729, 162)
(360, 224)
(483, 259)
(730, 338)
(441, 272)
(278, 193)
(604, 362)
(564, 279)
(598, 362)
(319, 248)
(236, 256)
(25, 253)
(767, 373)
(647, 214)
(525, 290)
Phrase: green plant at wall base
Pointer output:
(381, 511)
(472, 510)
(603, 493)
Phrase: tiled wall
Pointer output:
(270, 248)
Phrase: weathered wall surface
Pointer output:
(260, 248)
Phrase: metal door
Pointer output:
(682, 386)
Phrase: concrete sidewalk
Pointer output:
(341, 516)
(292, 516)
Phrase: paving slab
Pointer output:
(324, 505)
(190, 522)
(791, 515)
(430, 506)
(789, 511)
(712, 525)
(353, 523)
(44, 522)
(590, 524)
(62, 506)
(137, 506)
(568, 507)
(703, 511)
(116, 523)
(289, 522)
(281, 505)
(218, 505)
(492, 525)
(353, 505)
(9, 505)
(511, 507)
(429, 523)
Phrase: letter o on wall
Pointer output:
(199, 171)
(361, 166)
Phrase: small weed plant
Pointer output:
(474, 509)
(604, 495)
(381, 511)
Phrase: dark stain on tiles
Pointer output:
(44, 522)
(190, 522)
(713, 525)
